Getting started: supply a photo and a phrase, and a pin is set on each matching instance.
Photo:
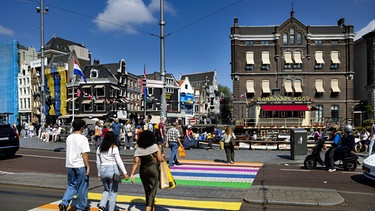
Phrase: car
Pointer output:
(368, 167)
(9, 140)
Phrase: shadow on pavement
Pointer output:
(359, 178)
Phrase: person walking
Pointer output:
(129, 136)
(77, 164)
(228, 146)
(97, 134)
(109, 162)
(371, 144)
(173, 141)
(162, 131)
(116, 127)
(149, 155)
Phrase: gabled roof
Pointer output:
(60, 44)
(60, 59)
(156, 76)
(103, 71)
(197, 79)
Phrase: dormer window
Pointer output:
(94, 73)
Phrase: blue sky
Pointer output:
(198, 30)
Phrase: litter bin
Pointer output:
(298, 143)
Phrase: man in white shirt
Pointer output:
(77, 163)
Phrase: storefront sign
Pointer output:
(278, 99)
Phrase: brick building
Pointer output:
(292, 75)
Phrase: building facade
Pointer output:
(206, 95)
(292, 75)
(27, 84)
(364, 64)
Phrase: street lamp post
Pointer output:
(42, 11)
(162, 62)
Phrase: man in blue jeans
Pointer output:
(173, 140)
(77, 163)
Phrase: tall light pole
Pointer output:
(163, 103)
(42, 11)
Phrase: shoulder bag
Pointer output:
(117, 177)
(232, 141)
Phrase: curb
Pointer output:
(293, 196)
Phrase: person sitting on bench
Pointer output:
(216, 137)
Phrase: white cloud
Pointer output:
(125, 14)
(6, 31)
(370, 27)
(154, 6)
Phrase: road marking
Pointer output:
(294, 170)
(6, 173)
(191, 173)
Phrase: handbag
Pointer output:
(166, 178)
(97, 132)
(181, 152)
(232, 141)
(118, 178)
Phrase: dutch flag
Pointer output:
(78, 71)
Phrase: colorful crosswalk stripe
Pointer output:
(196, 173)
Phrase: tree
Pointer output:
(225, 92)
(225, 104)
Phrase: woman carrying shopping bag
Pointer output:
(228, 138)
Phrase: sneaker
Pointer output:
(124, 148)
(101, 208)
(62, 207)
(131, 148)
(232, 162)
(331, 170)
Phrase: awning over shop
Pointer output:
(99, 101)
(114, 87)
(288, 86)
(335, 57)
(319, 86)
(250, 86)
(250, 57)
(266, 57)
(297, 57)
(99, 86)
(288, 57)
(86, 101)
(285, 108)
(266, 86)
(335, 85)
(297, 86)
(319, 57)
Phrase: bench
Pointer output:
(252, 142)
(63, 135)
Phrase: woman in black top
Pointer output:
(149, 155)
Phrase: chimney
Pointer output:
(235, 21)
(96, 62)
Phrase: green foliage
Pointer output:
(225, 92)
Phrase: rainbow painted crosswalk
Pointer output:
(215, 174)
(198, 173)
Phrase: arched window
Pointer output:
(291, 36)
(299, 38)
(285, 39)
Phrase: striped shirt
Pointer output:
(173, 134)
